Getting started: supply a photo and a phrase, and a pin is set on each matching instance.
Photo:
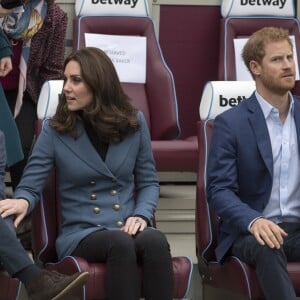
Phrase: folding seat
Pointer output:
(157, 96)
(46, 224)
(240, 21)
(9, 287)
(233, 278)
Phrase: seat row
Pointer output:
(157, 99)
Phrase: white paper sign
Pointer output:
(242, 72)
(128, 54)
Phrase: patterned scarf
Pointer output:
(23, 26)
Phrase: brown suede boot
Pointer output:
(51, 285)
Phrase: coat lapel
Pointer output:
(258, 123)
(117, 153)
(85, 151)
(297, 118)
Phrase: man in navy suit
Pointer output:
(253, 169)
(40, 284)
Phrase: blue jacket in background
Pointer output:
(7, 121)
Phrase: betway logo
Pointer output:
(231, 101)
(279, 3)
(132, 3)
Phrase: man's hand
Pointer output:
(14, 207)
(268, 233)
(5, 65)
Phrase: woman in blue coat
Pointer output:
(101, 147)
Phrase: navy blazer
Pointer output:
(94, 194)
(240, 169)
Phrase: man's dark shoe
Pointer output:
(51, 285)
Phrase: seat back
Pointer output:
(46, 215)
(156, 98)
(240, 21)
(217, 97)
(46, 221)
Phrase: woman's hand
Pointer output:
(14, 207)
(5, 66)
(133, 225)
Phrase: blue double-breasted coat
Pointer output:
(95, 194)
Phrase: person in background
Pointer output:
(101, 148)
(36, 31)
(9, 128)
(7, 122)
(253, 170)
(39, 283)
(37, 34)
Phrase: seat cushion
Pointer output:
(95, 287)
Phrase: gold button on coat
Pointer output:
(93, 196)
(117, 206)
(119, 223)
(113, 192)
(96, 210)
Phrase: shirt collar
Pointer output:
(267, 108)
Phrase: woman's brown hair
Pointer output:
(111, 113)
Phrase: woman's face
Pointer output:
(78, 94)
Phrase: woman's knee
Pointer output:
(122, 246)
(122, 240)
(152, 239)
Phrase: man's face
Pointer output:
(277, 69)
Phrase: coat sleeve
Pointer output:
(53, 66)
(146, 180)
(38, 167)
(47, 51)
(9, 128)
(5, 45)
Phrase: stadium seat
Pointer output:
(46, 224)
(233, 276)
(156, 97)
(238, 23)
(10, 287)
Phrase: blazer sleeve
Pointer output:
(145, 175)
(222, 187)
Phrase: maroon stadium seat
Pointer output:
(156, 98)
(233, 276)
